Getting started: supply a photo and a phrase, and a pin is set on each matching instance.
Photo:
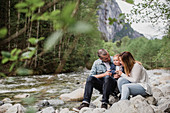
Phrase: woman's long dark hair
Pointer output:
(128, 61)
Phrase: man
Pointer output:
(101, 79)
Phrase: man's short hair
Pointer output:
(102, 52)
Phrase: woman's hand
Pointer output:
(119, 72)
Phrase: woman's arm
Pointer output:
(135, 74)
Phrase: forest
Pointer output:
(56, 36)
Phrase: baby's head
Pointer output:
(116, 60)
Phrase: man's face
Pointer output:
(105, 58)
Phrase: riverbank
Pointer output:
(47, 89)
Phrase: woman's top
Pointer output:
(139, 75)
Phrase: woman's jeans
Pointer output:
(127, 88)
(105, 86)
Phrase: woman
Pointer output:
(135, 79)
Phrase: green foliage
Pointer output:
(3, 32)
(130, 1)
(35, 40)
(23, 71)
(152, 53)
(2, 74)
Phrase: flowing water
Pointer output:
(45, 87)
(42, 87)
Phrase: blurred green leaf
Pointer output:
(52, 40)
(81, 27)
(3, 32)
(12, 66)
(2, 74)
(66, 14)
(26, 55)
(130, 1)
(24, 71)
(21, 5)
(6, 54)
(33, 40)
(4, 60)
(13, 51)
(23, 10)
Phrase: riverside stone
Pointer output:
(17, 108)
(47, 110)
(76, 95)
(5, 107)
(25, 95)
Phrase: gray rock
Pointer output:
(47, 110)
(157, 93)
(5, 107)
(122, 106)
(166, 90)
(55, 102)
(21, 96)
(156, 110)
(139, 103)
(76, 95)
(151, 100)
(165, 107)
(1, 103)
(17, 108)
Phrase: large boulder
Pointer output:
(76, 95)
(5, 107)
(17, 108)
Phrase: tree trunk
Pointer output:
(9, 22)
(38, 27)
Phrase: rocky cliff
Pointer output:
(110, 8)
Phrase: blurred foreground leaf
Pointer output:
(2, 74)
(24, 71)
(81, 27)
(3, 32)
(52, 40)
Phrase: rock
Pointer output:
(5, 107)
(55, 102)
(122, 106)
(1, 103)
(139, 103)
(86, 110)
(99, 110)
(47, 110)
(66, 110)
(26, 95)
(166, 90)
(97, 101)
(17, 108)
(156, 110)
(157, 93)
(76, 95)
(151, 100)
(165, 107)
(7, 100)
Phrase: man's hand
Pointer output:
(108, 73)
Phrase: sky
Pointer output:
(147, 29)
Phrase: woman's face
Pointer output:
(121, 61)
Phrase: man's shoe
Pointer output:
(80, 107)
(104, 105)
